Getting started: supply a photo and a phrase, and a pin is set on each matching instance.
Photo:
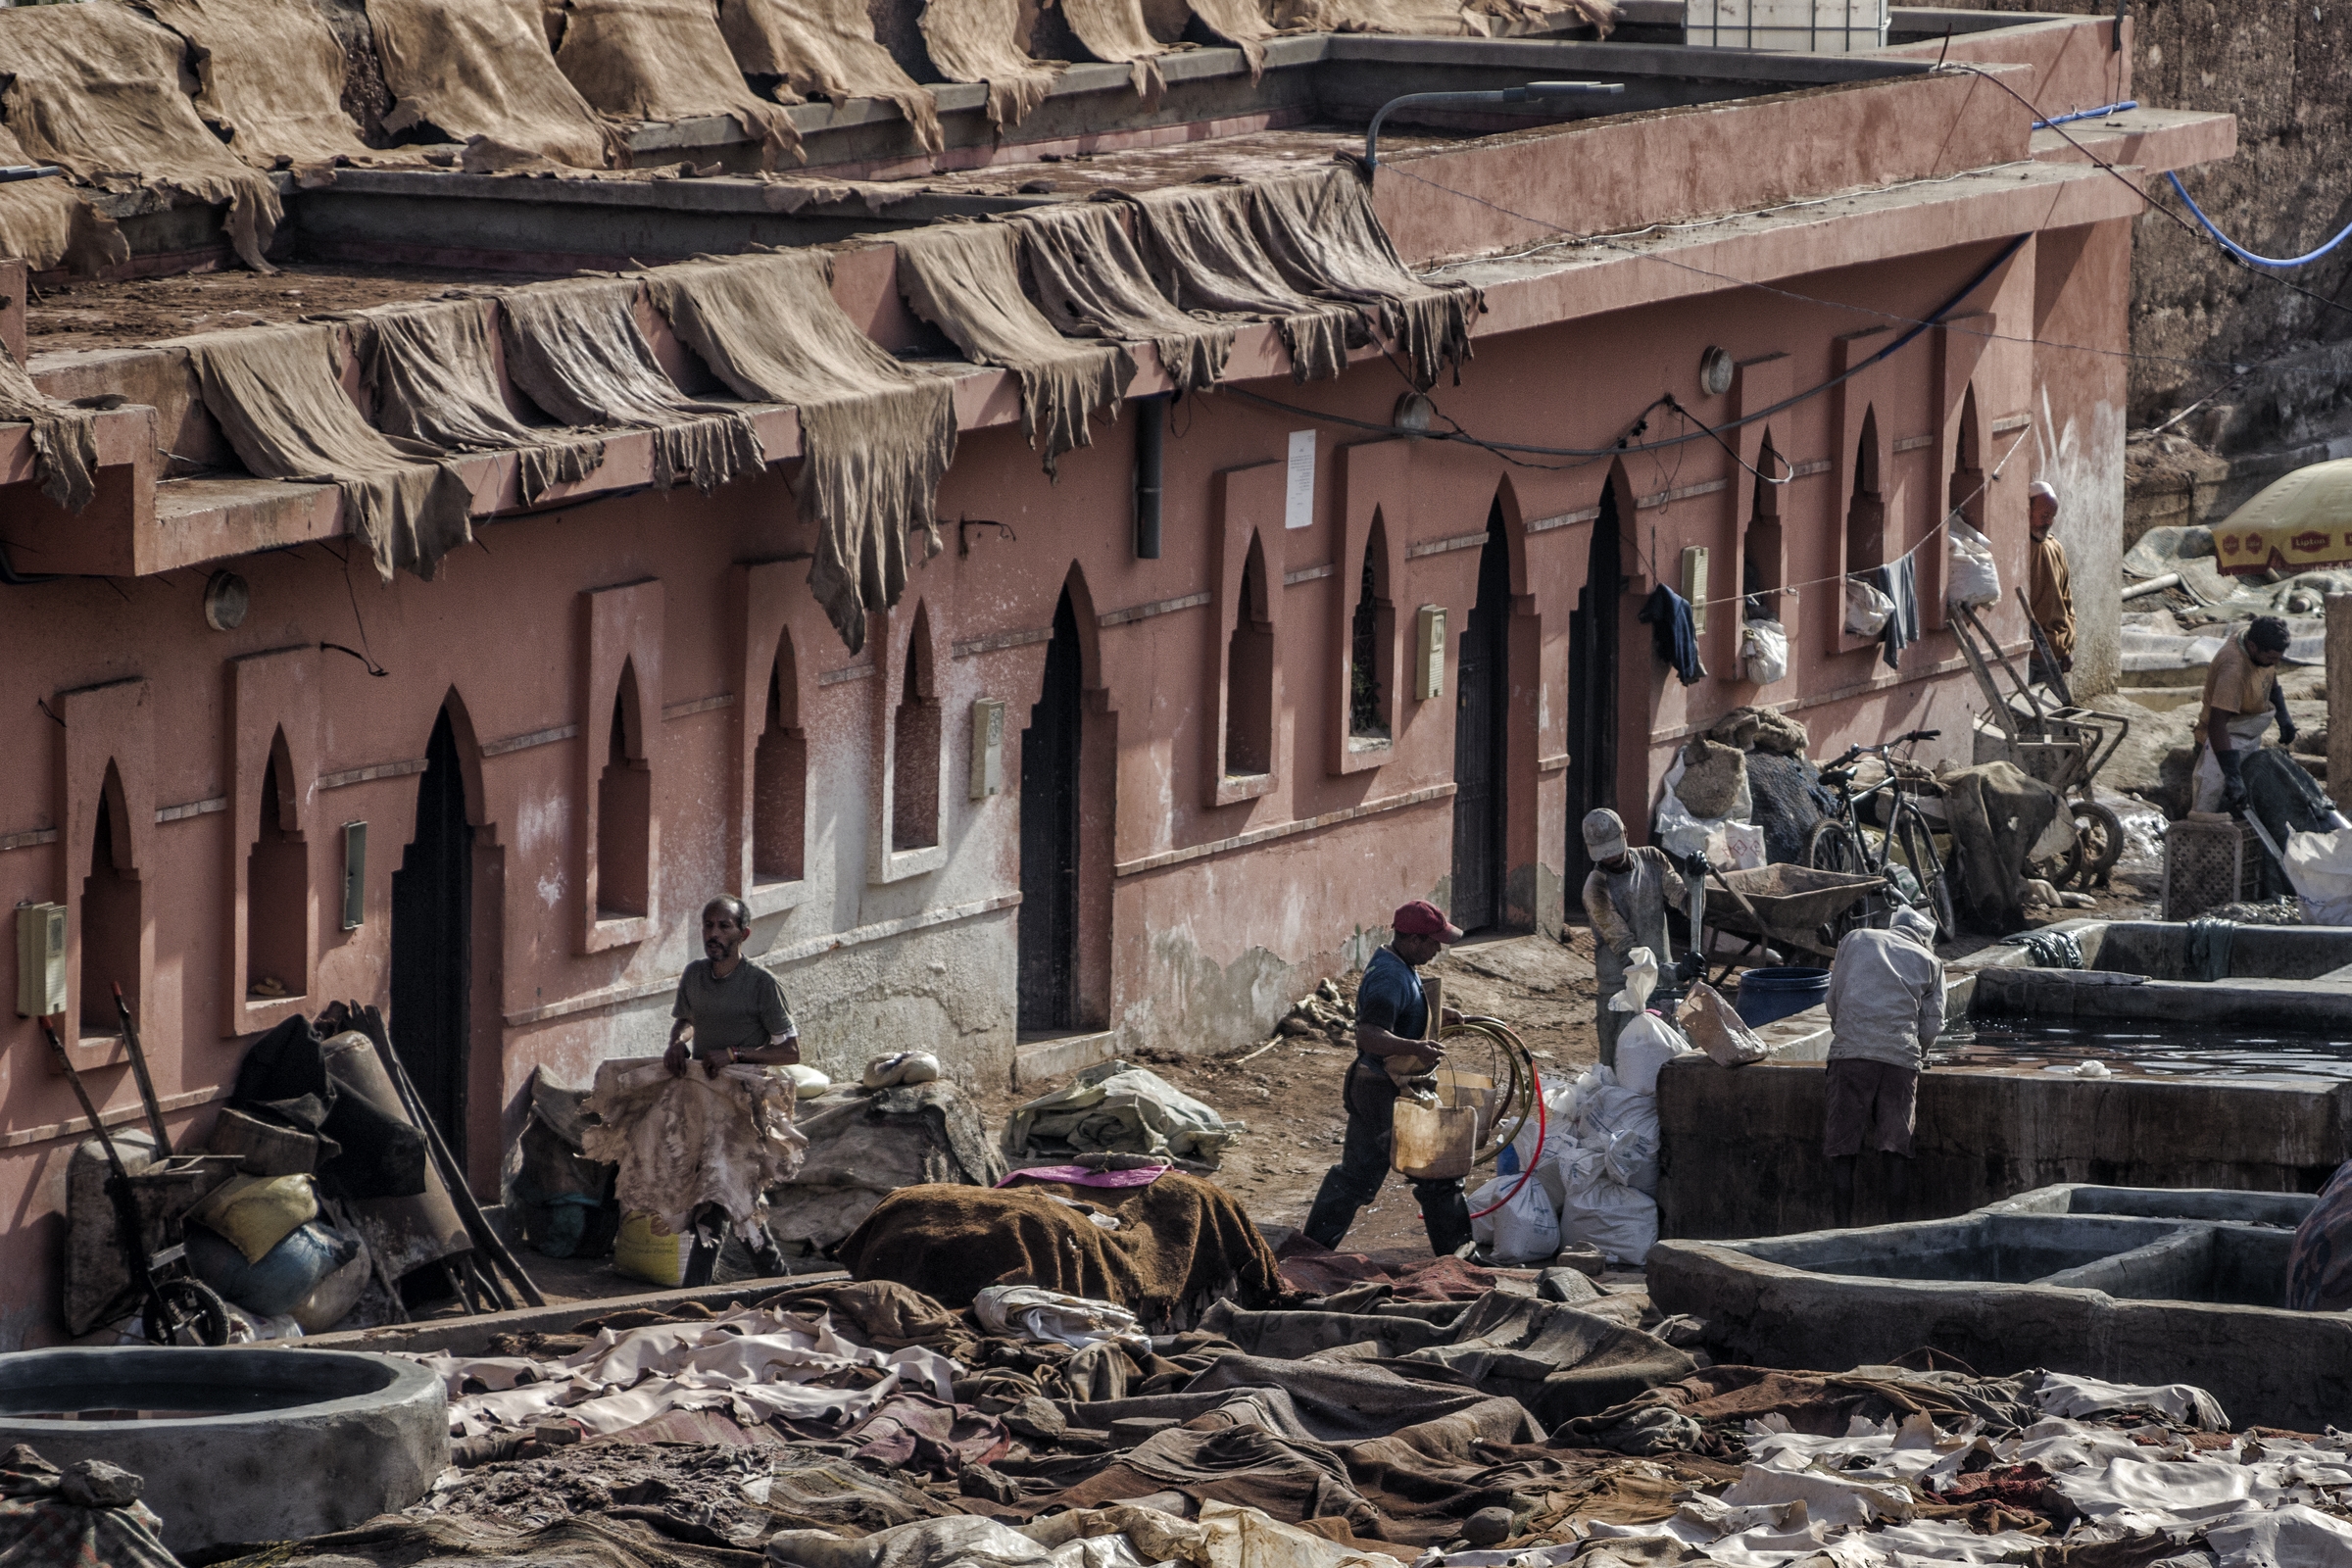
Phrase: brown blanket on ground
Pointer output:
(875, 437)
(275, 393)
(1182, 1243)
(430, 369)
(1325, 240)
(667, 60)
(826, 49)
(1708, 1413)
(574, 349)
(482, 68)
(95, 89)
(1205, 256)
(980, 41)
(270, 78)
(966, 278)
(1090, 282)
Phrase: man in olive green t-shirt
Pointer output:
(729, 1011)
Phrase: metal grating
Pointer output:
(2207, 865)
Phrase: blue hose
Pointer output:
(2239, 251)
(2100, 112)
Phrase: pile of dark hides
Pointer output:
(1179, 1245)
(865, 1143)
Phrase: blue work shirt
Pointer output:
(1391, 997)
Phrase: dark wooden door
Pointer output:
(1049, 922)
(1482, 693)
(1593, 630)
(432, 940)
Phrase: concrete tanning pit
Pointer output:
(2129, 1284)
(237, 1446)
(2123, 1073)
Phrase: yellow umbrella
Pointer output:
(2296, 524)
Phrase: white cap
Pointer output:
(2043, 487)
(1917, 924)
(1604, 834)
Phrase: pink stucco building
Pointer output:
(1213, 770)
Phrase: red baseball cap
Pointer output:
(1422, 918)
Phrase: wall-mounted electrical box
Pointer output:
(355, 875)
(1694, 585)
(1429, 653)
(988, 748)
(41, 960)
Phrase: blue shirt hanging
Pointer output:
(1670, 632)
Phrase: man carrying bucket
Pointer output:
(1391, 1015)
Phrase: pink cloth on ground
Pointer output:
(1080, 1176)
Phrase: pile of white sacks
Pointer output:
(1594, 1152)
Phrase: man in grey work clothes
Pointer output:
(729, 1011)
(1625, 898)
(1885, 1005)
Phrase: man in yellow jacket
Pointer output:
(2049, 593)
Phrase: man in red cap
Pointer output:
(1391, 1015)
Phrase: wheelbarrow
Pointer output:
(1791, 906)
(127, 1255)
(2059, 743)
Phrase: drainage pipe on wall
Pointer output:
(1151, 430)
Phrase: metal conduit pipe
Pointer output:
(1534, 92)
(1151, 432)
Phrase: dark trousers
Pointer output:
(1370, 1097)
(711, 1225)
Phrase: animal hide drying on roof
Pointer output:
(876, 438)
(1113, 31)
(966, 278)
(1323, 236)
(1242, 23)
(574, 349)
(1446, 19)
(279, 400)
(1203, 253)
(1091, 282)
(667, 60)
(95, 89)
(482, 68)
(48, 224)
(434, 382)
(65, 445)
(826, 49)
(270, 78)
(980, 41)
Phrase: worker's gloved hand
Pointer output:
(2233, 780)
(1688, 967)
(1699, 865)
(2286, 730)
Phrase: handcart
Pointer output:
(1789, 906)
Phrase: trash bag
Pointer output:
(1613, 1219)
(278, 1283)
(1647, 1044)
(1621, 1125)
(1712, 1025)
(1640, 979)
(1971, 579)
(1524, 1227)
(1764, 652)
(1866, 608)
(257, 1212)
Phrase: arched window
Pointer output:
(1967, 496)
(1761, 561)
(110, 917)
(278, 888)
(1372, 645)
(1866, 514)
(1249, 676)
(915, 747)
(624, 811)
(780, 778)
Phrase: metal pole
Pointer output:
(1532, 92)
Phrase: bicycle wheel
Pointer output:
(193, 1313)
(2099, 833)
(1833, 847)
(1913, 843)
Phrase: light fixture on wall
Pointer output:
(227, 599)
(1414, 414)
(1715, 372)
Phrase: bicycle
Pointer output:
(1906, 846)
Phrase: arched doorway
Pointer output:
(432, 939)
(1482, 698)
(1048, 913)
(1593, 628)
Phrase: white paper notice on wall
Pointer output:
(1299, 497)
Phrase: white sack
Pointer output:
(1764, 652)
(1971, 578)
